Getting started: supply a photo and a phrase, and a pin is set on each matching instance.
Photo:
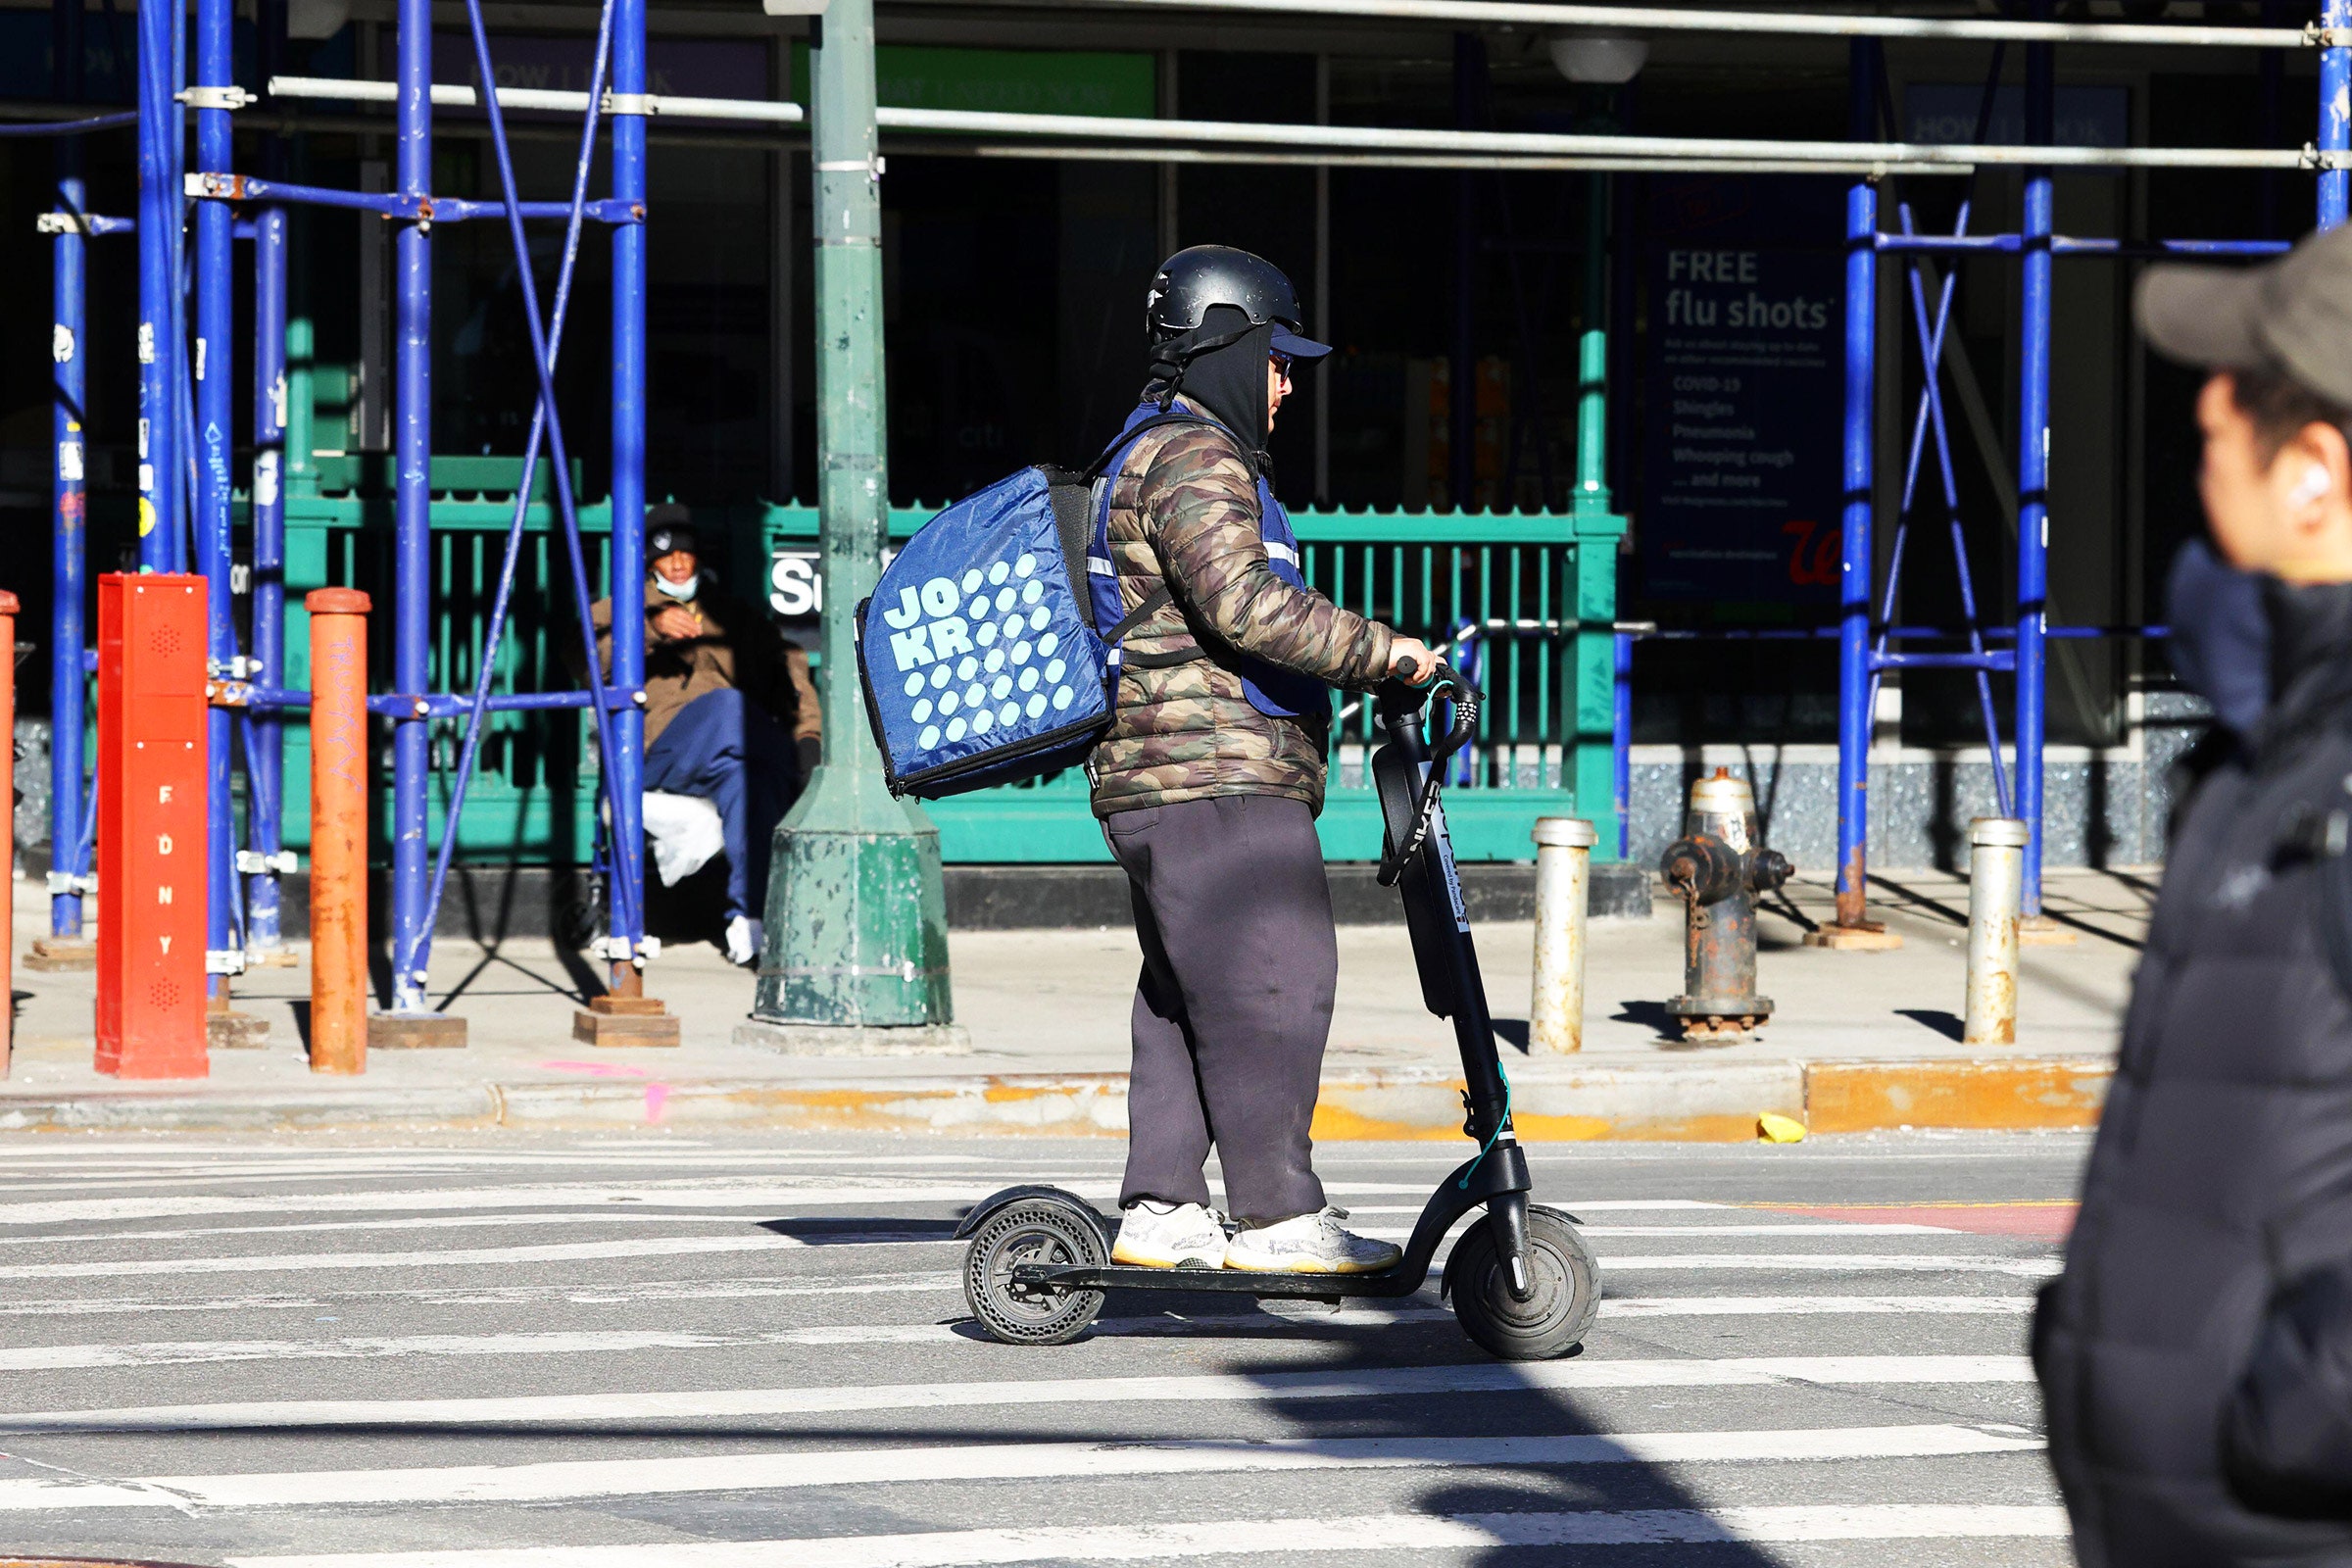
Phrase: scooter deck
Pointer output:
(1402, 1280)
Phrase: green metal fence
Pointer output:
(1512, 591)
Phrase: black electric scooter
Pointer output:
(1522, 1283)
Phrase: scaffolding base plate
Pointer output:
(414, 1031)
(1872, 938)
(62, 955)
(235, 1031)
(856, 1040)
(2040, 931)
(626, 1021)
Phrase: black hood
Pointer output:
(1222, 366)
(2311, 659)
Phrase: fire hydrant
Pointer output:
(1719, 869)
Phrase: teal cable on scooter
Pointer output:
(1488, 1147)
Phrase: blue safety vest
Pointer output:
(1272, 690)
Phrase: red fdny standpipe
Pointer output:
(152, 825)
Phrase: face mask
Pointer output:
(680, 591)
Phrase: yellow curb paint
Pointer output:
(1851, 1097)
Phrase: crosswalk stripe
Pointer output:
(672, 1246)
(525, 1220)
(1222, 1538)
(719, 1194)
(1814, 1305)
(455, 1258)
(624, 1291)
(1837, 1262)
(1369, 1384)
(720, 1191)
(732, 1472)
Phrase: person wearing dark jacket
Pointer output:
(2196, 1355)
(730, 711)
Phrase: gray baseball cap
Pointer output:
(2292, 314)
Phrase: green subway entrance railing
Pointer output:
(1512, 593)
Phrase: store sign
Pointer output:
(1742, 390)
(796, 582)
(1016, 82)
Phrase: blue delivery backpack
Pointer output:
(982, 652)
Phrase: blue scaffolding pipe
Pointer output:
(1930, 421)
(412, 449)
(68, 503)
(2335, 109)
(1979, 661)
(214, 422)
(618, 764)
(1621, 741)
(402, 205)
(265, 739)
(68, 128)
(625, 761)
(483, 703)
(2068, 245)
(1856, 564)
(2033, 462)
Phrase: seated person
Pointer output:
(730, 711)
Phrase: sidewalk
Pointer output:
(1858, 1040)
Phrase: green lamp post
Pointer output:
(856, 944)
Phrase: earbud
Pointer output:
(2313, 485)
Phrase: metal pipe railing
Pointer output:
(664, 105)
(1665, 18)
(1889, 157)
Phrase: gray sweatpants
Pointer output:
(1234, 1006)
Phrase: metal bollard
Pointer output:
(338, 830)
(1996, 878)
(8, 847)
(1556, 1015)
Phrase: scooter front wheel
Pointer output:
(1032, 1230)
(1549, 1323)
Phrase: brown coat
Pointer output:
(738, 648)
(1184, 511)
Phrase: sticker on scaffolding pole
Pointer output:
(61, 343)
(69, 462)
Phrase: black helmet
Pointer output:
(1200, 277)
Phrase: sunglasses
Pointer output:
(1282, 364)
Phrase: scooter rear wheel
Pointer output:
(1549, 1323)
(1032, 1230)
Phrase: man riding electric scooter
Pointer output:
(1209, 780)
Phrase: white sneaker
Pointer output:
(743, 942)
(1170, 1236)
(1310, 1243)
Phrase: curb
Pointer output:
(1552, 1101)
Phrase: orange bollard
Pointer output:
(338, 830)
(7, 850)
(151, 825)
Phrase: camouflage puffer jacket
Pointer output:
(1184, 511)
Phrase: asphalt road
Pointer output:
(539, 1353)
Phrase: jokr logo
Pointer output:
(977, 654)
